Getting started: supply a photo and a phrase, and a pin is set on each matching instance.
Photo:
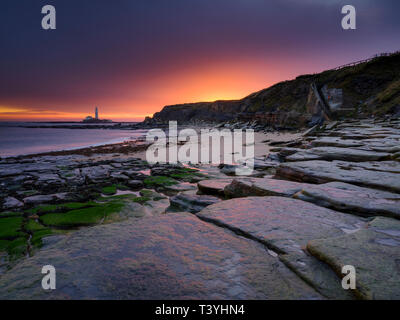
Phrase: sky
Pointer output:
(132, 57)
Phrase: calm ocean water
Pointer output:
(15, 140)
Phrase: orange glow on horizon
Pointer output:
(228, 80)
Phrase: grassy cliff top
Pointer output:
(372, 87)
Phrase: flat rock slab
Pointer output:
(336, 142)
(303, 156)
(174, 256)
(48, 178)
(49, 198)
(349, 154)
(213, 186)
(260, 164)
(184, 186)
(319, 275)
(375, 254)
(285, 226)
(262, 187)
(385, 166)
(318, 171)
(96, 173)
(353, 199)
(335, 153)
(389, 148)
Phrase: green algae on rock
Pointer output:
(64, 207)
(11, 228)
(159, 181)
(110, 190)
(81, 217)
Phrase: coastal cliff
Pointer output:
(370, 87)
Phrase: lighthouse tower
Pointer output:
(96, 114)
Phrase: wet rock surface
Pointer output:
(192, 203)
(262, 187)
(352, 199)
(336, 153)
(176, 256)
(12, 203)
(375, 254)
(317, 171)
(285, 226)
(213, 186)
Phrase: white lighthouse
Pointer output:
(90, 119)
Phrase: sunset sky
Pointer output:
(132, 57)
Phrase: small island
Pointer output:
(90, 119)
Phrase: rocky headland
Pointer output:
(370, 88)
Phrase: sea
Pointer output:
(16, 139)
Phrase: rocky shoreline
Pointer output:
(116, 227)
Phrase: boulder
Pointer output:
(136, 175)
(12, 203)
(213, 186)
(265, 165)
(49, 198)
(96, 173)
(192, 203)
(239, 188)
(135, 184)
(119, 176)
(48, 182)
(262, 187)
(229, 169)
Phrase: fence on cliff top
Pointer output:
(385, 54)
